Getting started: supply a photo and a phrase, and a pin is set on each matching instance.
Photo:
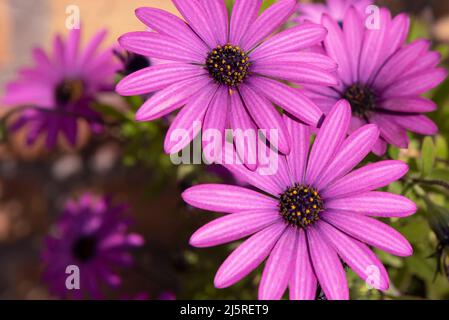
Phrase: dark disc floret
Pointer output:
(362, 99)
(85, 248)
(300, 206)
(228, 65)
(69, 91)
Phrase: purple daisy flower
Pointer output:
(382, 77)
(313, 213)
(227, 74)
(60, 88)
(335, 8)
(91, 234)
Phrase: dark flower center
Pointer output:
(362, 100)
(300, 206)
(85, 248)
(69, 90)
(228, 65)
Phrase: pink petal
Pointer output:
(295, 72)
(370, 177)
(156, 78)
(170, 98)
(374, 203)
(279, 267)
(226, 198)
(270, 20)
(216, 11)
(244, 14)
(418, 123)
(266, 117)
(215, 123)
(159, 46)
(409, 104)
(336, 48)
(353, 31)
(416, 84)
(327, 266)
(245, 132)
(234, 227)
(370, 231)
(329, 139)
(374, 47)
(290, 99)
(168, 24)
(390, 131)
(297, 159)
(248, 256)
(353, 150)
(358, 256)
(291, 40)
(195, 15)
(303, 282)
(188, 122)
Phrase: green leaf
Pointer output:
(427, 159)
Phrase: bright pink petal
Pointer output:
(215, 123)
(268, 22)
(233, 227)
(195, 15)
(329, 139)
(248, 256)
(243, 15)
(327, 266)
(358, 256)
(168, 24)
(370, 177)
(159, 46)
(170, 99)
(303, 283)
(297, 159)
(218, 13)
(245, 132)
(290, 99)
(157, 77)
(370, 231)
(295, 72)
(356, 147)
(291, 40)
(279, 267)
(266, 117)
(336, 48)
(226, 198)
(188, 122)
(374, 203)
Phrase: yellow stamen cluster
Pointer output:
(228, 65)
(300, 206)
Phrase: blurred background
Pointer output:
(128, 163)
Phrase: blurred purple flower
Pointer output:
(225, 72)
(382, 77)
(60, 88)
(309, 214)
(91, 234)
(337, 9)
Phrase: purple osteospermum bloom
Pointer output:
(93, 235)
(381, 77)
(61, 87)
(225, 72)
(334, 8)
(313, 212)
